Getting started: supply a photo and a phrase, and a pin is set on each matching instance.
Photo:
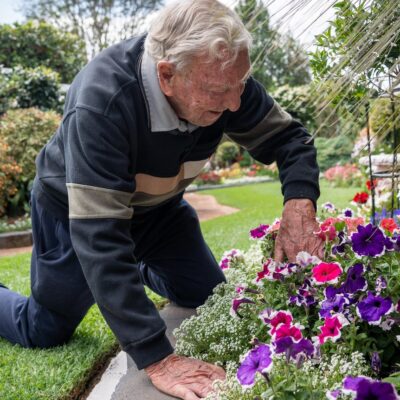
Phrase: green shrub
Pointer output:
(25, 131)
(30, 87)
(245, 159)
(227, 153)
(381, 118)
(9, 174)
(333, 151)
(35, 44)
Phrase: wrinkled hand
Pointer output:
(296, 232)
(183, 377)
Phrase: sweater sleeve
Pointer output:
(270, 134)
(100, 170)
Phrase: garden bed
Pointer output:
(10, 240)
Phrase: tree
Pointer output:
(277, 59)
(98, 22)
(361, 43)
(35, 44)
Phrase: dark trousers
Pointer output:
(173, 259)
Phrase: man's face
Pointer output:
(203, 91)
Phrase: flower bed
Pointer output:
(313, 329)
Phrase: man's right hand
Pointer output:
(183, 377)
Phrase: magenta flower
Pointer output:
(256, 360)
(326, 273)
(368, 389)
(236, 303)
(368, 241)
(224, 263)
(259, 232)
(286, 330)
(280, 318)
(265, 271)
(373, 308)
(330, 330)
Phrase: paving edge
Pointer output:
(117, 368)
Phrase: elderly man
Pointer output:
(108, 216)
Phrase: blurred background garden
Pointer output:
(340, 85)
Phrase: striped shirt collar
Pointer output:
(162, 116)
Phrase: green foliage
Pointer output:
(25, 131)
(382, 120)
(333, 151)
(277, 59)
(296, 101)
(361, 42)
(35, 44)
(227, 153)
(98, 23)
(30, 87)
(10, 173)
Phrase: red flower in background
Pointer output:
(389, 224)
(373, 185)
(361, 198)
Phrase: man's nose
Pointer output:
(232, 100)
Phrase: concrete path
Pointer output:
(135, 385)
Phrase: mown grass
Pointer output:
(258, 204)
(62, 372)
(57, 373)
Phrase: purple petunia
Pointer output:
(331, 306)
(305, 295)
(347, 212)
(340, 248)
(368, 241)
(256, 360)
(354, 280)
(293, 348)
(373, 308)
(367, 389)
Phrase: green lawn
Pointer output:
(60, 373)
(258, 204)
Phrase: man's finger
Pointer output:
(201, 389)
(278, 251)
(185, 393)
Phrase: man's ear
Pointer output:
(166, 72)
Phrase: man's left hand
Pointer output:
(297, 231)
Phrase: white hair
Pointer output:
(190, 28)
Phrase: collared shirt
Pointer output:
(162, 116)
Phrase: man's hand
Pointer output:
(183, 377)
(296, 232)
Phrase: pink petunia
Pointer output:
(352, 223)
(280, 318)
(330, 330)
(326, 273)
(327, 230)
(286, 330)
